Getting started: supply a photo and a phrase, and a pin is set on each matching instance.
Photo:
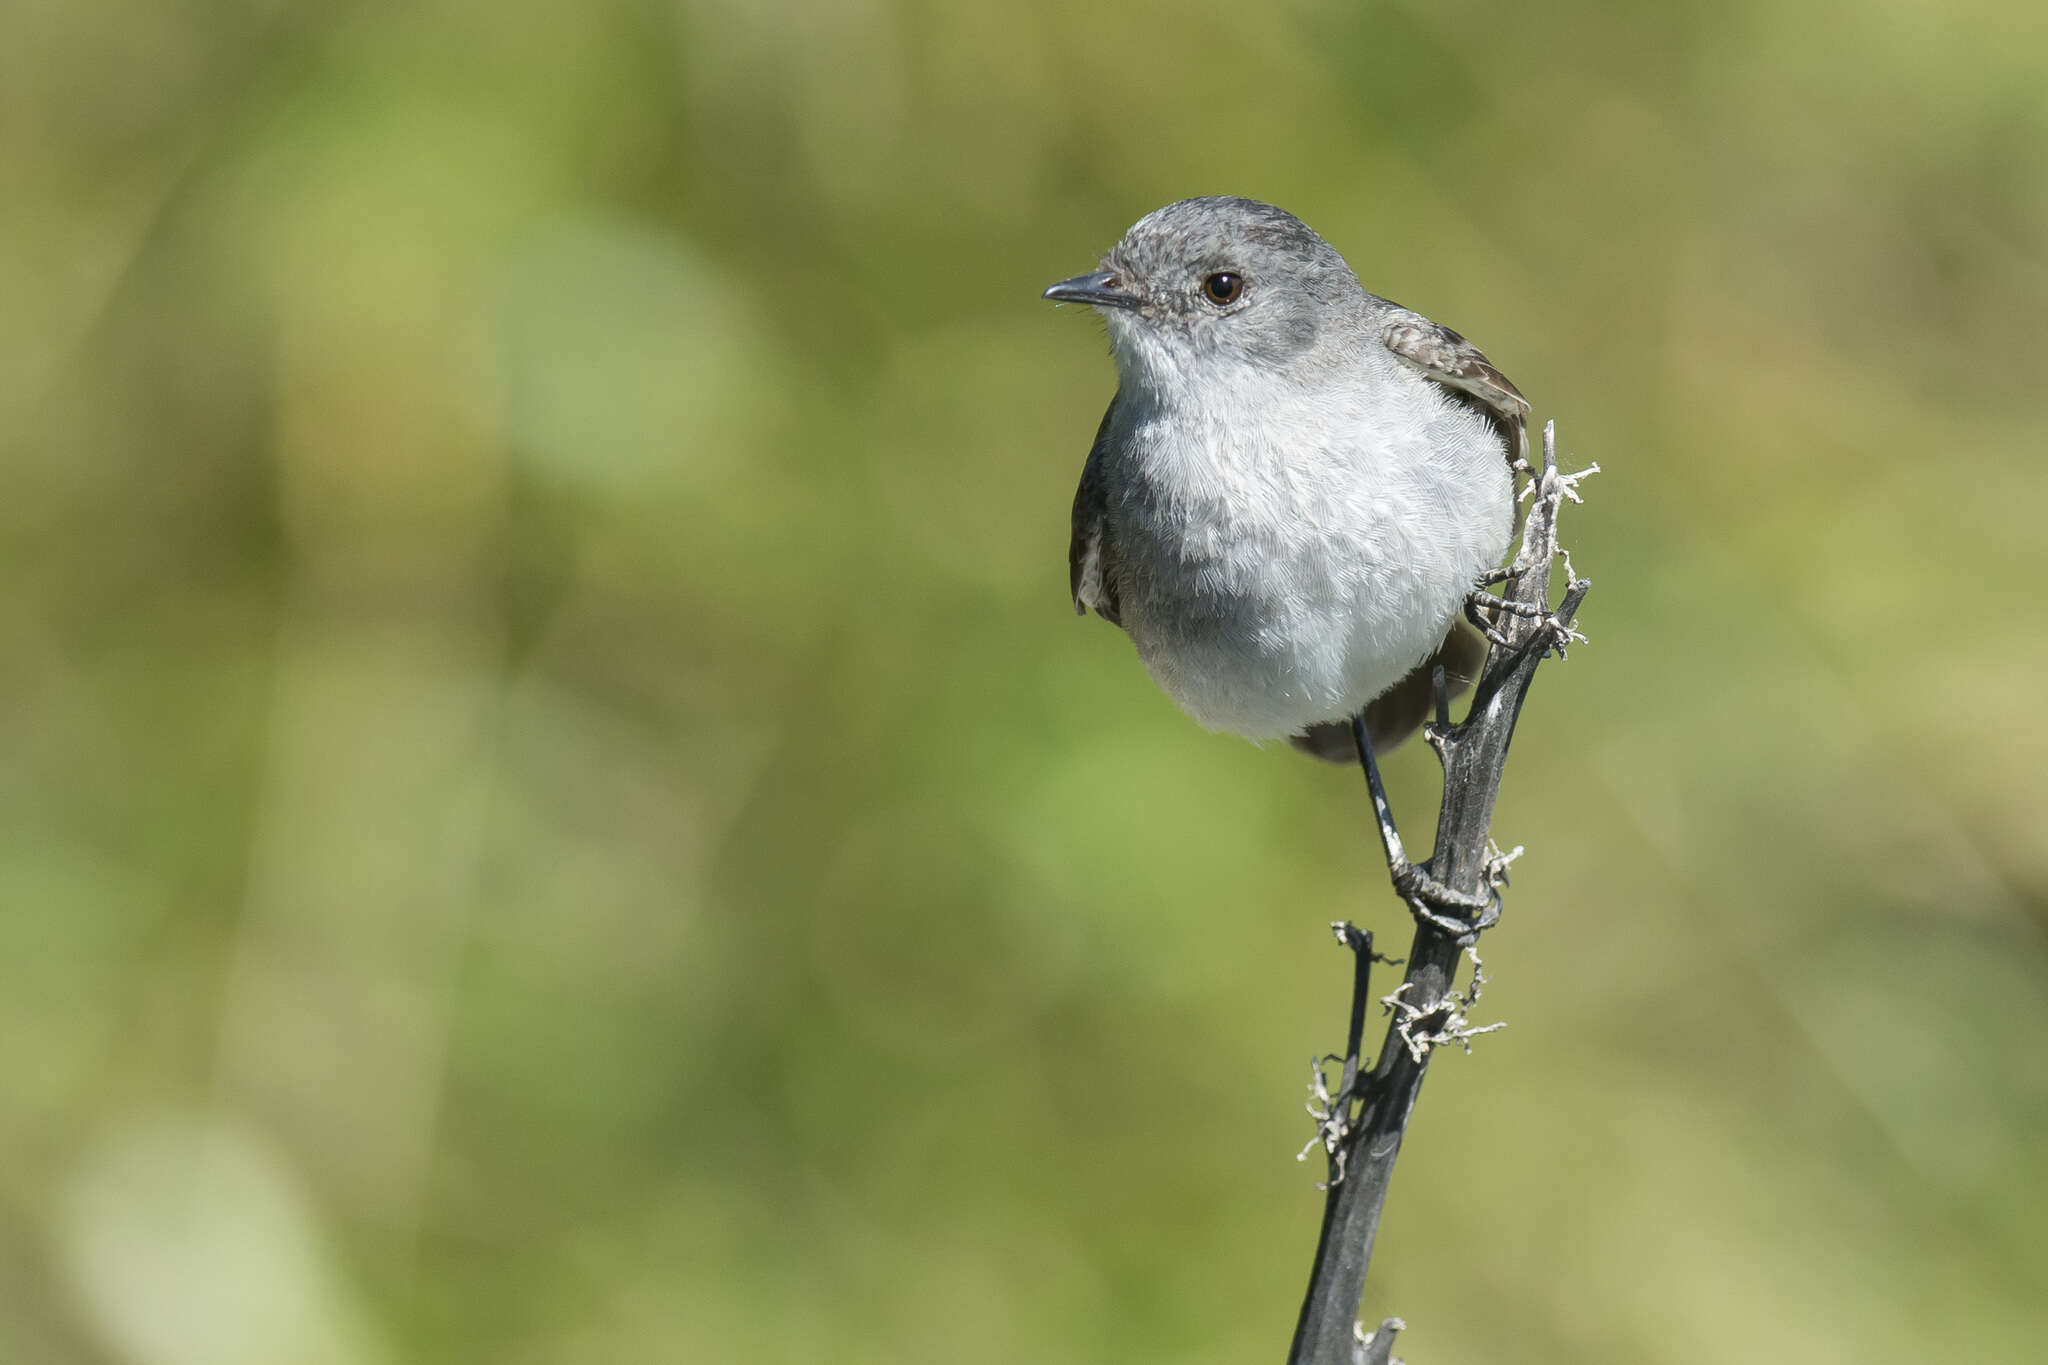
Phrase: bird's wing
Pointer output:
(1457, 364)
(1091, 556)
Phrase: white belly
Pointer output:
(1273, 582)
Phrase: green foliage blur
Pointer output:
(556, 810)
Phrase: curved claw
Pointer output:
(1426, 897)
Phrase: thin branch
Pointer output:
(1332, 1111)
(1377, 1348)
(1454, 897)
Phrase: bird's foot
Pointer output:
(1457, 913)
(1487, 611)
(1460, 914)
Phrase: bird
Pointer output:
(1298, 485)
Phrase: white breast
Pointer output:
(1287, 571)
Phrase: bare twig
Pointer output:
(1454, 896)
(1377, 1348)
(1332, 1112)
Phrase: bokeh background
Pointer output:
(555, 809)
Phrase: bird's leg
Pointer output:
(1428, 900)
(1390, 838)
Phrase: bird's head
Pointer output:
(1207, 286)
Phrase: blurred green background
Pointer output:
(555, 809)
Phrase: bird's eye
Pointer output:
(1223, 288)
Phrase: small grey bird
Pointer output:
(1298, 484)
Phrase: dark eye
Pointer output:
(1223, 287)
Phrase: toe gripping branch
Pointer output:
(1554, 633)
(1457, 913)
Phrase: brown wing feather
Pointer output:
(1458, 365)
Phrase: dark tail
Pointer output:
(1399, 711)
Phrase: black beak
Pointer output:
(1099, 288)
